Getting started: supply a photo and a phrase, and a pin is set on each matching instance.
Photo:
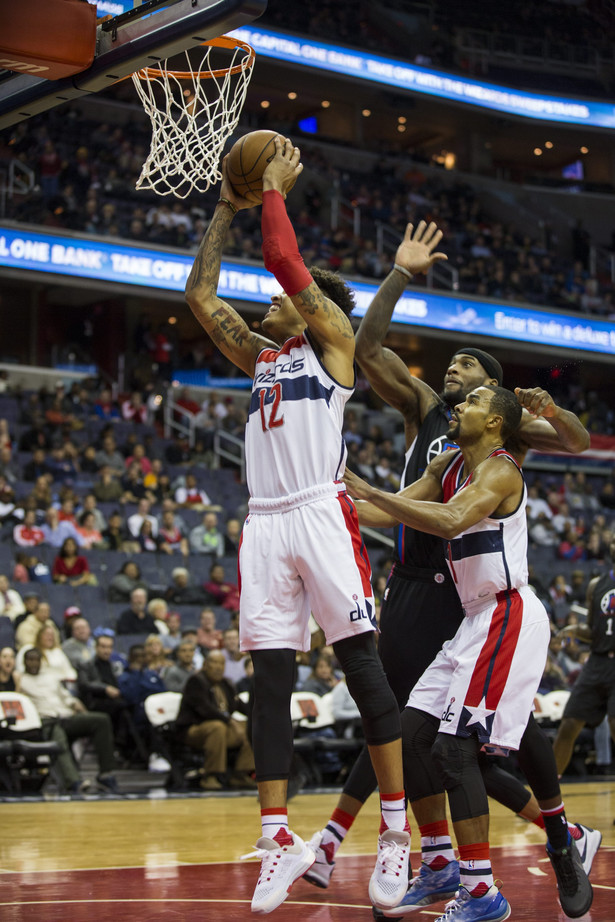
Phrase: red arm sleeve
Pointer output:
(280, 251)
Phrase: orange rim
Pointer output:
(223, 41)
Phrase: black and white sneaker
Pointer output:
(574, 889)
(588, 845)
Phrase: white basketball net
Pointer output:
(192, 112)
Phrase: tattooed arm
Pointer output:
(228, 330)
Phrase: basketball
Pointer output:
(247, 161)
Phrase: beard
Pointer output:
(453, 431)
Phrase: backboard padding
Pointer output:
(124, 45)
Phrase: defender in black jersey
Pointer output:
(593, 693)
(421, 608)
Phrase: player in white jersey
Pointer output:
(478, 692)
(301, 547)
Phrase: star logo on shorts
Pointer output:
(478, 719)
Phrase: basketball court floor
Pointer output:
(177, 860)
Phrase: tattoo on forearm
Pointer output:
(206, 268)
(229, 325)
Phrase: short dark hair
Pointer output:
(506, 405)
(334, 287)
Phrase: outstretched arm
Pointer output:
(547, 427)
(227, 329)
(385, 371)
(496, 484)
(328, 324)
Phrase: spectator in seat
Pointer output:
(116, 536)
(222, 592)
(136, 683)
(67, 719)
(322, 679)
(28, 534)
(37, 466)
(86, 527)
(72, 567)
(105, 407)
(173, 537)
(138, 457)
(28, 630)
(10, 678)
(109, 456)
(133, 409)
(232, 537)
(155, 657)
(11, 603)
(159, 611)
(205, 723)
(182, 591)
(124, 582)
(136, 619)
(146, 540)
(136, 520)
(174, 637)
(79, 647)
(56, 532)
(191, 496)
(89, 504)
(206, 538)
(176, 675)
(235, 669)
(54, 659)
(207, 635)
(572, 546)
(108, 488)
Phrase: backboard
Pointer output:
(150, 32)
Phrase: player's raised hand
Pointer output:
(416, 251)
(537, 401)
(282, 172)
(227, 191)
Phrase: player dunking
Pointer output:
(301, 548)
(479, 690)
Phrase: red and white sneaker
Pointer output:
(281, 866)
(389, 881)
(322, 869)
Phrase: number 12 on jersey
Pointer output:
(269, 404)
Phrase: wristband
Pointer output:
(399, 269)
(225, 201)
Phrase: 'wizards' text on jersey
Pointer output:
(294, 430)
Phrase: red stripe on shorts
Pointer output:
(495, 659)
(360, 551)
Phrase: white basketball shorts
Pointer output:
(299, 555)
(483, 681)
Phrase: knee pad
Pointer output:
(456, 759)
(368, 686)
(272, 731)
(418, 733)
(502, 786)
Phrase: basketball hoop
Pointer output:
(192, 112)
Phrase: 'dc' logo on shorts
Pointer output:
(607, 603)
(438, 446)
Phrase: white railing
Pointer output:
(16, 179)
(232, 449)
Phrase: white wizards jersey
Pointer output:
(491, 556)
(294, 430)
